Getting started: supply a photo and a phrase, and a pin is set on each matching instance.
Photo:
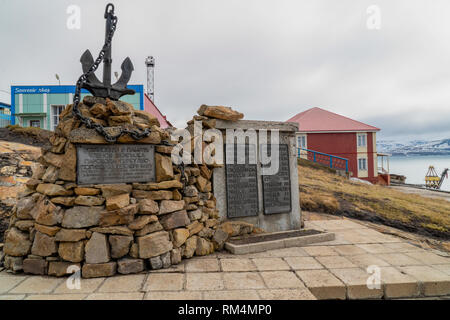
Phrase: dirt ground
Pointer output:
(423, 192)
(21, 137)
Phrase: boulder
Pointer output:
(195, 215)
(120, 245)
(118, 107)
(24, 207)
(153, 195)
(17, 243)
(141, 221)
(91, 100)
(24, 225)
(154, 244)
(68, 171)
(180, 236)
(190, 191)
(195, 227)
(81, 217)
(155, 263)
(46, 213)
(148, 206)
(51, 174)
(118, 230)
(70, 235)
(14, 264)
(164, 169)
(89, 201)
(204, 247)
(158, 185)
(53, 159)
(190, 247)
(148, 117)
(71, 251)
(118, 217)
(35, 266)
(111, 190)
(175, 256)
(50, 231)
(165, 258)
(167, 206)
(81, 191)
(175, 220)
(220, 112)
(65, 201)
(60, 268)
(149, 228)
(97, 250)
(98, 270)
(127, 266)
(50, 189)
(118, 201)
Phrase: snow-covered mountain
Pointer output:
(415, 147)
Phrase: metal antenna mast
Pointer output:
(150, 63)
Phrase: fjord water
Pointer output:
(415, 168)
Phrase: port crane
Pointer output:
(433, 180)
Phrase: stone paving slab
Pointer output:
(331, 270)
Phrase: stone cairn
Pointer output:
(115, 228)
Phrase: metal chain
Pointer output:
(135, 134)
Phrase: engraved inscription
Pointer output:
(241, 182)
(98, 164)
(277, 187)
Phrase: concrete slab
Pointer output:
(86, 286)
(288, 252)
(428, 257)
(231, 295)
(286, 294)
(365, 260)
(164, 282)
(303, 263)
(348, 250)
(281, 279)
(333, 262)
(173, 295)
(320, 251)
(37, 284)
(129, 283)
(204, 281)
(355, 280)
(12, 297)
(375, 248)
(116, 296)
(7, 283)
(445, 268)
(270, 264)
(233, 265)
(399, 259)
(433, 282)
(323, 284)
(243, 280)
(73, 296)
(397, 284)
(202, 265)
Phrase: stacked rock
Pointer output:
(105, 229)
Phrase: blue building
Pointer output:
(5, 114)
(40, 106)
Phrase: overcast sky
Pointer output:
(267, 59)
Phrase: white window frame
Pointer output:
(362, 140)
(301, 142)
(35, 120)
(362, 164)
(54, 116)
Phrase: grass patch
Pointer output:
(321, 190)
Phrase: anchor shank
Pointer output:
(107, 59)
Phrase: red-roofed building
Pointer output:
(327, 132)
(150, 107)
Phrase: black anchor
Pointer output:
(93, 84)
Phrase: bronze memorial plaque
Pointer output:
(115, 163)
(241, 181)
(277, 187)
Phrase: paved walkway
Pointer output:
(334, 270)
